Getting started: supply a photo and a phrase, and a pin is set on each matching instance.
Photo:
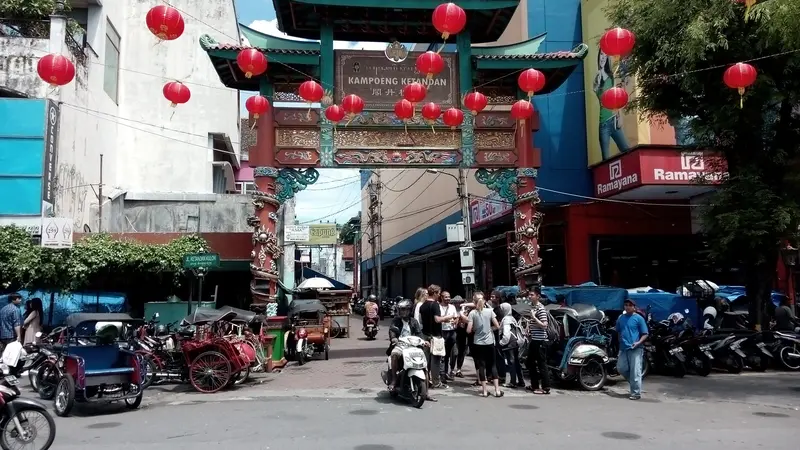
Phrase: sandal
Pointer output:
(542, 392)
(499, 394)
(531, 389)
(459, 374)
(484, 394)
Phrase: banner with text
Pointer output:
(317, 234)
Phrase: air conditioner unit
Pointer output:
(468, 277)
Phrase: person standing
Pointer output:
(483, 322)
(632, 332)
(420, 297)
(431, 314)
(448, 333)
(32, 323)
(510, 336)
(495, 299)
(538, 346)
(461, 341)
(11, 320)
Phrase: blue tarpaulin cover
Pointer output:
(73, 302)
(737, 293)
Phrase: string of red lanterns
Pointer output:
(616, 43)
(252, 62)
(177, 93)
(740, 76)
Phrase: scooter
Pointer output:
(412, 385)
(22, 420)
(371, 330)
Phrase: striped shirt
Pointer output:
(536, 333)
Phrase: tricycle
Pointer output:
(93, 366)
(308, 330)
(579, 354)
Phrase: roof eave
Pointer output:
(527, 47)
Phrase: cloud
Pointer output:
(270, 27)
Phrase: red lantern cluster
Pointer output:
(404, 110)
(449, 19)
(165, 22)
(257, 105)
(177, 93)
(617, 42)
(252, 62)
(430, 64)
(311, 91)
(453, 118)
(415, 92)
(475, 102)
(614, 99)
(531, 81)
(522, 110)
(334, 113)
(740, 76)
(57, 70)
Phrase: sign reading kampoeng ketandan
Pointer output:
(379, 82)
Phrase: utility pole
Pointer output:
(373, 203)
(465, 217)
(379, 237)
(100, 198)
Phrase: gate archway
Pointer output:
(293, 143)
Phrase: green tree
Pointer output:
(682, 50)
(347, 235)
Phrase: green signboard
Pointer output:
(201, 260)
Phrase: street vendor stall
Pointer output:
(337, 302)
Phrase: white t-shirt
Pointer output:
(406, 331)
(416, 311)
(449, 310)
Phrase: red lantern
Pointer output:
(475, 102)
(449, 19)
(252, 62)
(430, 64)
(617, 42)
(165, 22)
(740, 76)
(403, 109)
(531, 81)
(453, 117)
(352, 105)
(55, 69)
(334, 113)
(614, 98)
(177, 93)
(431, 112)
(257, 105)
(311, 91)
(415, 92)
(522, 110)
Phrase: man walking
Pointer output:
(632, 332)
(11, 321)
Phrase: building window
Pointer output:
(111, 75)
(245, 187)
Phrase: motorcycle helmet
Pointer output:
(161, 330)
(710, 311)
(404, 308)
(675, 318)
(372, 298)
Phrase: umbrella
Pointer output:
(315, 283)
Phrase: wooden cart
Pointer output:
(337, 302)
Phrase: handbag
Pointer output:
(437, 346)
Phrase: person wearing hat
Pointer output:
(632, 332)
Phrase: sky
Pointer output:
(337, 194)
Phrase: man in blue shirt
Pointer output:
(632, 332)
(11, 320)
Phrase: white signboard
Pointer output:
(296, 233)
(56, 232)
(32, 225)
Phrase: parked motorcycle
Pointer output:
(39, 353)
(20, 424)
(412, 385)
(662, 350)
(371, 329)
(787, 348)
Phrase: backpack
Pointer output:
(518, 336)
(553, 331)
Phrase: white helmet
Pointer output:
(710, 311)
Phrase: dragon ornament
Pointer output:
(291, 181)
(502, 181)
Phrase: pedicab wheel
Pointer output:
(34, 434)
(133, 403)
(242, 376)
(65, 395)
(149, 368)
(47, 380)
(210, 372)
(420, 391)
(592, 375)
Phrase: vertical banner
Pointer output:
(609, 133)
(52, 119)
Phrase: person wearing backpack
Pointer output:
(511, 339)
(538, 345)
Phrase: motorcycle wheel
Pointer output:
(586, 374)
(28, 417)
(787, 361)
(301, 357)
(33, 379)
(645, 366)
(701, 365)
(151, 369)
(734, 364)
(242, 376)
(760, 364)
(46, 380)
(678, 369)
(419, 392)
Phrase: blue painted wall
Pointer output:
(22, 127)
(562, 133)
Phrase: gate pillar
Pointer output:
(527, 218)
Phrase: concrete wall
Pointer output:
(174, 213)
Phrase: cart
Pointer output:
(308, 330)
(337, 305)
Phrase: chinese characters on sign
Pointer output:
(379, 82)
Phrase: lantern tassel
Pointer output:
(308, 114)
(350, 119)
(748, 4)
(405, 126)
(615, 64)
(255, 121)
(429, 76)
(741, 98)
(248, 75)
(441, 47)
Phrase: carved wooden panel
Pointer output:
(495, 140)
(386, 139)
(400, 158)
(293, 157)
(496, 158)
(296, 117)
(297, 137)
